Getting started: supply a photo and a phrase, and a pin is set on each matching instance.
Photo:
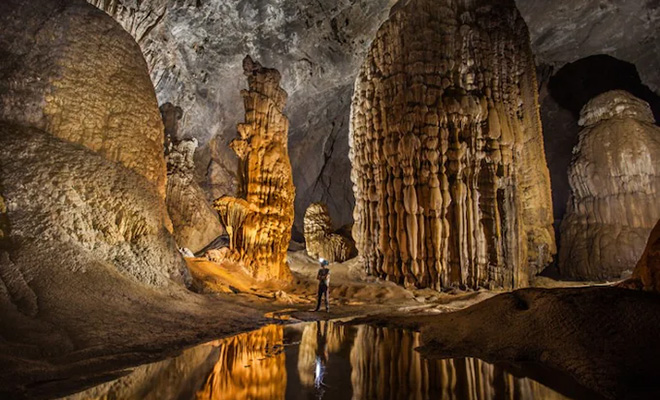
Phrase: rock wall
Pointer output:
(615, 181)
(449, 174)
(195, 222)
(259, 224)
(321, 241)
(105, 103)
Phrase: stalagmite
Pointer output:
(266, 183)
(449, 173)
(320, 239)
(615, 182)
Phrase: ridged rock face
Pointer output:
(615, 182)
(259, 225)
(51, 81)
(321, 241)
(195, 222)
(449, 174)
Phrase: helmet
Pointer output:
(324, 262)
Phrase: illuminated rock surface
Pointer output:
(51, 82)
(449, 173)
(615, 182)
(90, 275)
(195, 222)
(320, 238)
(259, 224)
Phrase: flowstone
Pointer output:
(449, 173)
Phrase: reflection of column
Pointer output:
(318, 341)
(248, 367)
(385, 365)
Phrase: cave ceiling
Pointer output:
(194, 49)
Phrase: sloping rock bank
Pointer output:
(603, 337)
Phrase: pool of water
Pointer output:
(320, 360)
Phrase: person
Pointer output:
(323, 276)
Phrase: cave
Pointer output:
(469, 187)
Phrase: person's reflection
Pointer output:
(321, 356)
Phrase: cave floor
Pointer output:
(152, 327)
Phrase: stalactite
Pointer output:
(449, 173)
(321, 240)
(264, 174)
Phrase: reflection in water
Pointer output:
(325, 360)
(250, 366)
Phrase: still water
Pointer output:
(318, 360)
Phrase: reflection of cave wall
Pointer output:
(562, 96)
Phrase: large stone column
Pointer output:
(615, 182)
(449, 173)
(264, 213)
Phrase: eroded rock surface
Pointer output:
(90, 276)
(195, 222)
(321, 240)
(615, 181)
(259, 221)
(599, 337)
(449, 174)
(647, 271)
(51, 82)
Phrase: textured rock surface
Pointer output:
(615, 181)
(50, 82)
(564, 31)
(90, 276)
(259, 224)
(450, 179)
(195, 222)
(599, 337)
(647, 271)
(195, 48)
(82, 207)
(321, 240)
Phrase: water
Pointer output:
(319, 360)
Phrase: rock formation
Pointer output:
(598, 336)
(646, 275)
(50, 83)
(449, 174)
(647, 271)
(615, 181)
(89, 272)
(320, 238)
(194, 220)
(259, 224)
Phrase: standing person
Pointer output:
(323, 277)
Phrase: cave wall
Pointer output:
(449, 173)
